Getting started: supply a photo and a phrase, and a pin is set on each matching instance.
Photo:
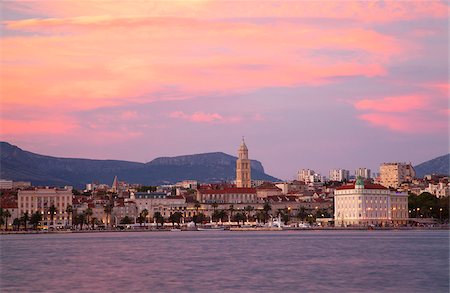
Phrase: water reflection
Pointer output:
(338, 261)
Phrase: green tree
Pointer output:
(238, 217)
(199, 218)
(197, 206)
(266, 208)
(35, 219)
(108, 210)
(24, 219)
(176, 218)
(302, 214)
(2, 221)
(16, 224)
(144, 214)
(6, 215)
(126, 220)
(159, 219)
(69, 211)
(231, 211)
(53, 210)
(88, 213)
(247, 212)
(214, 205)
(80, 219)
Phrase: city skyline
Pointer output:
(309, 84)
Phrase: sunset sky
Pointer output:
(309, 84)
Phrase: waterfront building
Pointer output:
(361, 204)
(124, 209)
(267, 189)
(41, 199)
(363, 173)
(243, 174)
(394, 174)
(339, 175)
(158, 202)
(228, 195)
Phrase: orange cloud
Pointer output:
(392, 104)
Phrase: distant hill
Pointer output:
(439, 165)
(17, 164)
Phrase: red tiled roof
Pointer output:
(366, 186)
(282, 198)
(234, 190)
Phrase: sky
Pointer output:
(310, 84)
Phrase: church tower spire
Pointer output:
(243, 175)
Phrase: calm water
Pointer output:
(294, 261)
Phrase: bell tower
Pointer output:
(243, 177)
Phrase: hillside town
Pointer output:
(392, 198)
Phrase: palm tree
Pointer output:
(35, 219)
(108, 210)
(239, 217)
(69, 211)
(2, 221)
(159, 218)
(197, 206)
(88, 213)
(93, 222)
(231, 210)
(215, 216)
(6, 215)
(248, 209)
(176, 218)
(52, 209)
(267, 208)
(16, 224)
(25, 218)
(214, 205)
(144, 215)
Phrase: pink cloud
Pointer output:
(202, 117)
(405, 123)
(392, 104)
(408, 114)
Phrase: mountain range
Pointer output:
(439, 165)
(20, 165)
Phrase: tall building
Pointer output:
(243, 175)
(394, 174)
(306, 175)
(364, 204)
(363, 173)
(339, 175)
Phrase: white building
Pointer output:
(361, 204)
(41, 199)
(339, 175)
(440, 189)
(363, 173)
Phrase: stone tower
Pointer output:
(243, 177)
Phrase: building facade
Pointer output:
(243, 174)
(363, 173)
(394, 174)
(41, 199)
(339, 175)
(362, 204)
